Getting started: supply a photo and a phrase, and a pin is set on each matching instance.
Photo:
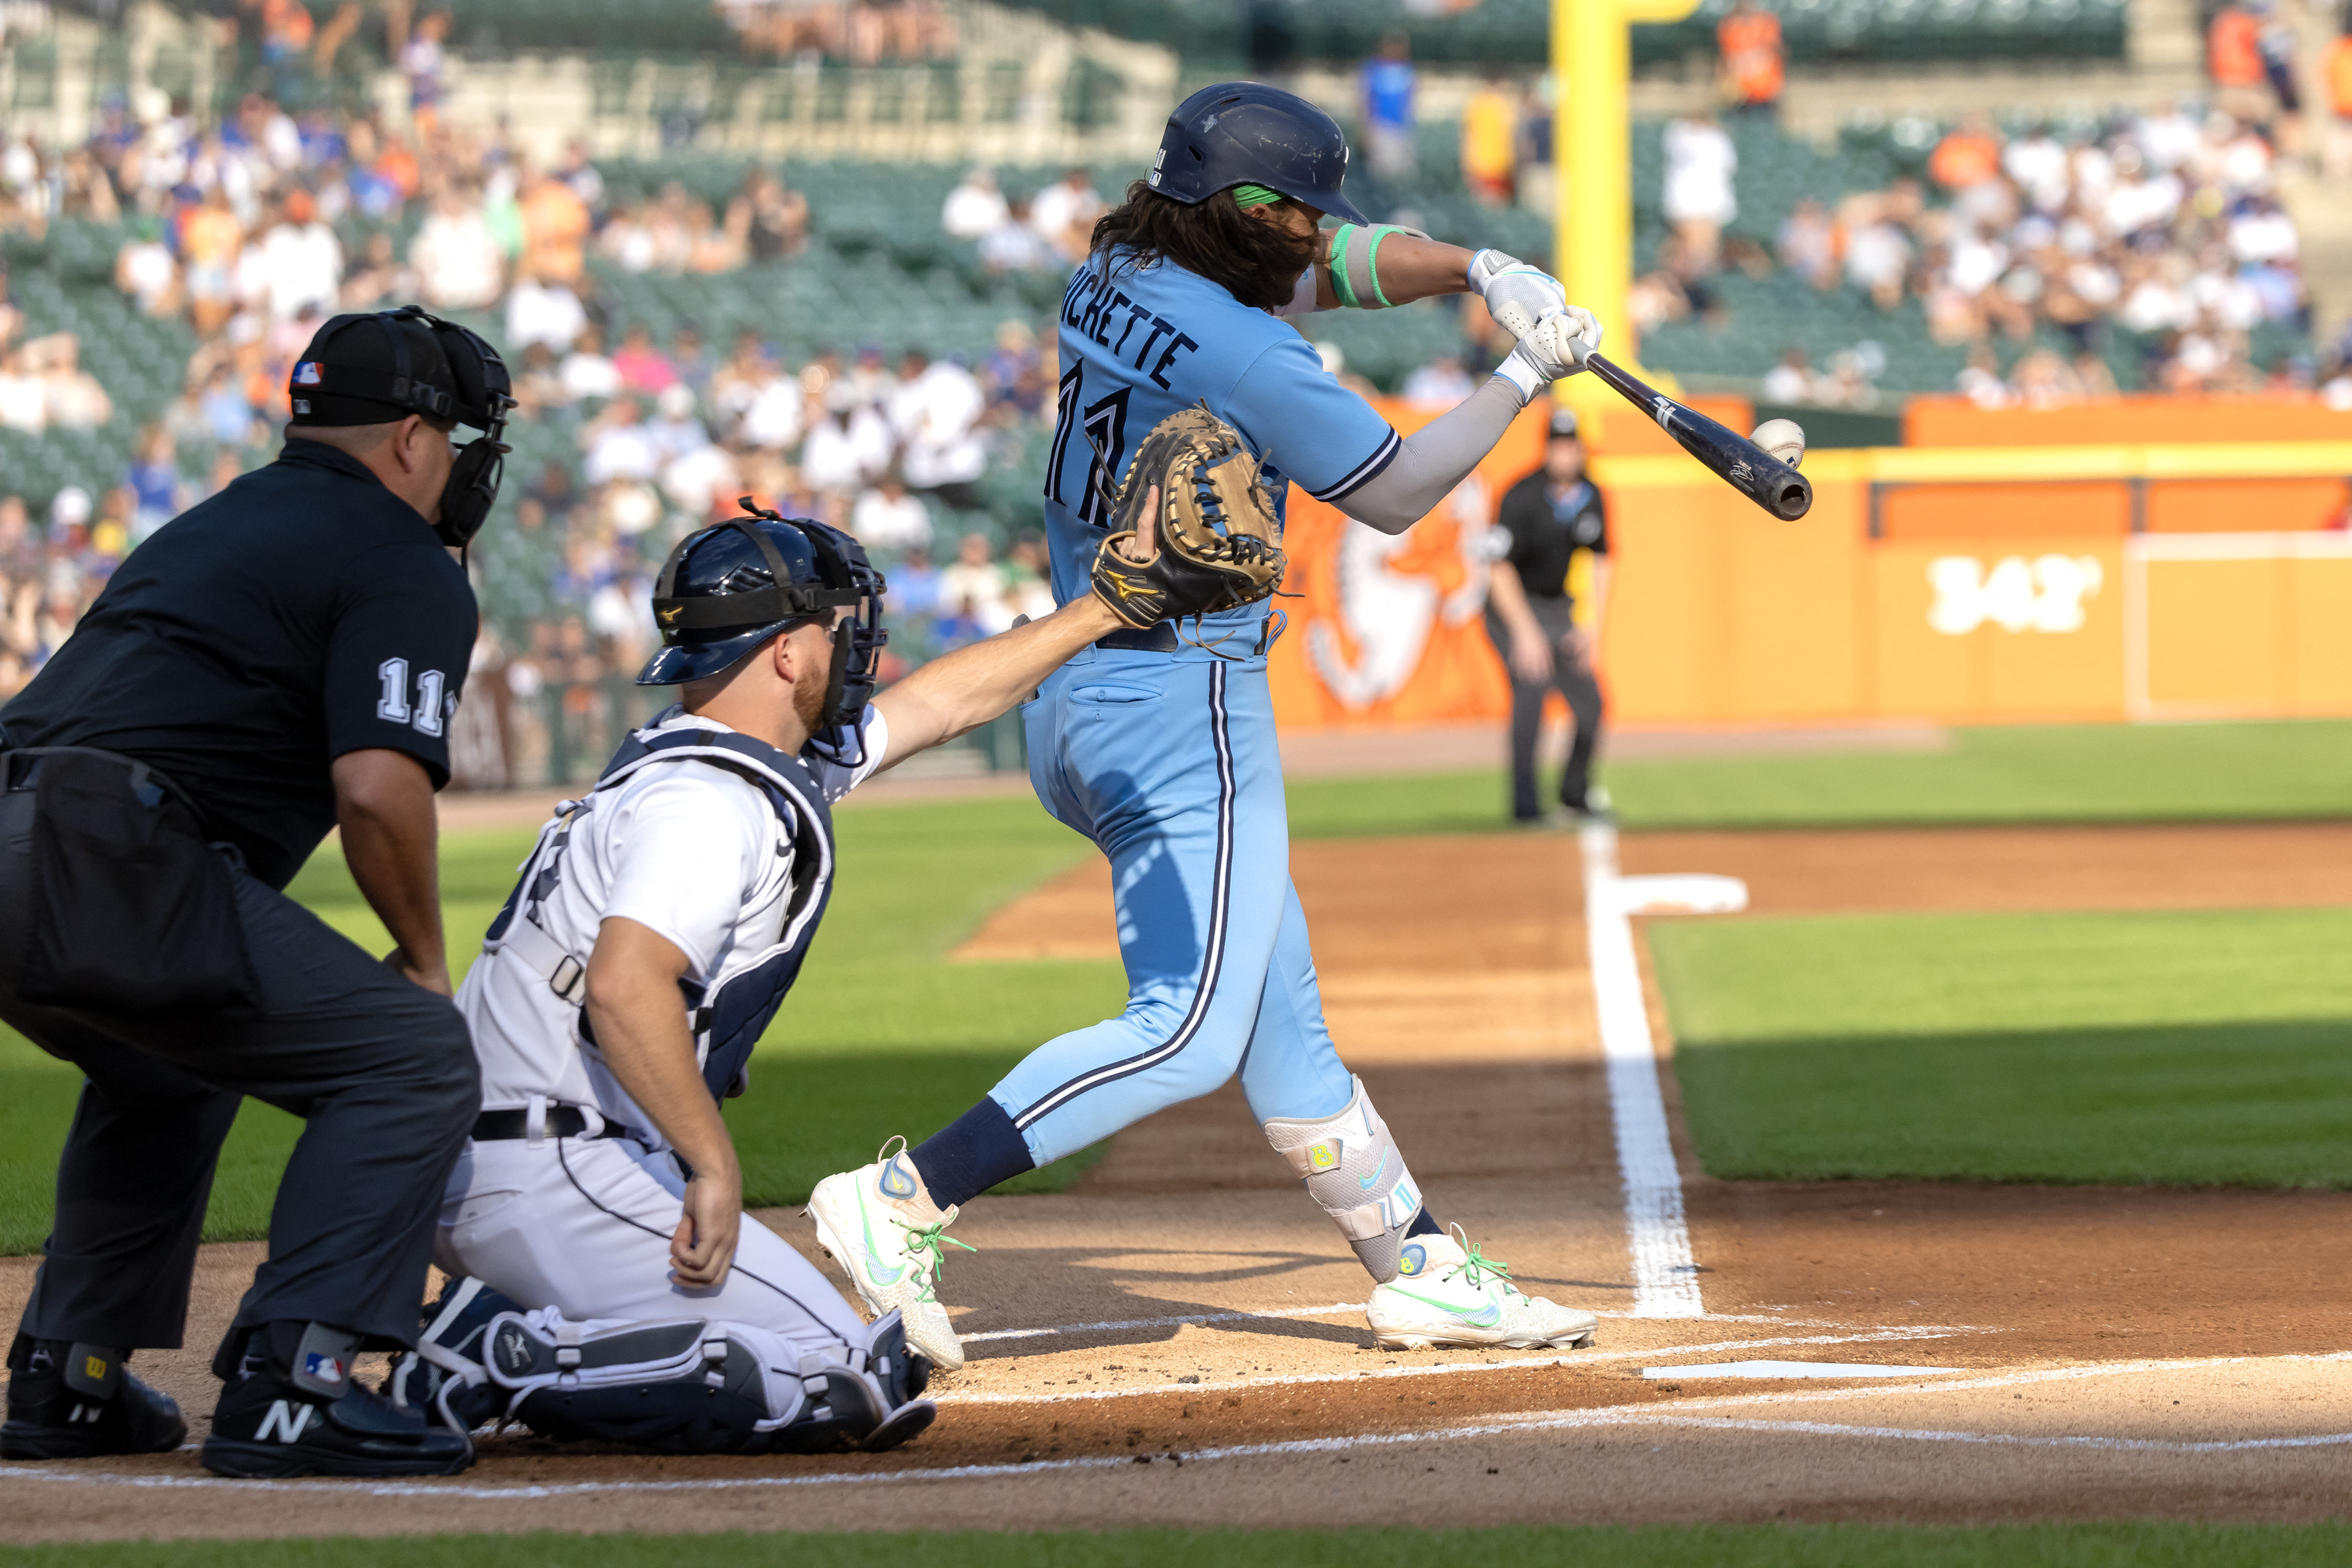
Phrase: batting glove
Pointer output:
(1517, 294)
(1554, 347)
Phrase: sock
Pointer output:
(972, 1154)
(1422, 1225)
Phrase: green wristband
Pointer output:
(1344, 290)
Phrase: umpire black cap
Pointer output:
(1245, 133)
(1563, 425)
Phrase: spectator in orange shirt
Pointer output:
(1968, 155)
(1490, 129)
(2233, 58)
(555, 224)
(2335, 68)
(210, 239)
(1752, 74)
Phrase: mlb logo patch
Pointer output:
(322, 1366)
(309, 372)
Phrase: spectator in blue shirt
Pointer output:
(1388, 83)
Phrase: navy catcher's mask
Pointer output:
(727, 588)
(1245, 133)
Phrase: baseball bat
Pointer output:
(1743, 465)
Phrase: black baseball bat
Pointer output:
(1745, 465)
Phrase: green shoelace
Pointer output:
(1479, 1263)
(930, 1238)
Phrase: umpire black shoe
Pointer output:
(292, 1409)
(69, 1400)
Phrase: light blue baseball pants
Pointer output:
(1168, 764)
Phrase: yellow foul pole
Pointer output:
(1592, 246)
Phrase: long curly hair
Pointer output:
(1258, 262)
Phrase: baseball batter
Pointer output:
(1160, 744)
(607, 1282)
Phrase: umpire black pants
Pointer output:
(381, 1070)
(1574, 681)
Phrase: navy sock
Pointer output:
(1422, 1225)
(972, 1154)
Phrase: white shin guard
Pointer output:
(1352, 1167)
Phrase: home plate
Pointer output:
(1793, 1369)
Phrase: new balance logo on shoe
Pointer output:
(288, 1418)
(89, 1413)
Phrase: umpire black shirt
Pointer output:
(304, 612)
(1547, 531)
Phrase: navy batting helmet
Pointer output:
(727, 588)
(1245, 133)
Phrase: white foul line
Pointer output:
(1665, 1280)
(1501, 1426)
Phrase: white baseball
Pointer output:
(1784, 438)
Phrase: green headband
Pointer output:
(1254, 195)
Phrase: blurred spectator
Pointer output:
(300, 262)
(72, 399)
(1442, 382)
(23, 400)
(421, 61)
(154, 480)
(935, 411)
(543, 313)
(2233, 58)
(618, 446)
(1063, 214)
(1700, 163)
(1968, 155)
(210, 240)
(145, 270)
(1750, 76)
(1808, 244)
(1790, 380)
(460, 264)
(585, 371)
(974, 586)
(643, 367)
(1490, 127)
(772, 222)
(1386, 87)
(555, 228)
(1016, 245)
(887, 517)
(848, 445)
(975, 207)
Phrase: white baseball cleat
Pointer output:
(866, 1219)
(1445, 1293)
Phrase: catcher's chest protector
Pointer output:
(728, 1018)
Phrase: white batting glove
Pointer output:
(1518, 295)
(1553, 347)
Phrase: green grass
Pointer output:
(2043, 773)
(2173, 1048)
(2119, 1545)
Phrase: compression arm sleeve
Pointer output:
(1433, 460)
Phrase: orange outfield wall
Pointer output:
(2028, 600)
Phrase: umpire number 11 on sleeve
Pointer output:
(427, 716)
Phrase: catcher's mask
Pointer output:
(413, 362)
(1245, 133)
(727, 589)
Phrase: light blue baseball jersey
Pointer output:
(1139, 343)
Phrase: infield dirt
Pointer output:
(1172, 1340)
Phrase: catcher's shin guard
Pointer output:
(1352, 1167)
(444, 1375)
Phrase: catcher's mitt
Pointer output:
(1216, 526)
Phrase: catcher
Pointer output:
(606, 1283)
(1158, 743)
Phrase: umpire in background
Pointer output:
(1544, 521)
(281, 660)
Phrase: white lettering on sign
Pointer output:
(2043, 594)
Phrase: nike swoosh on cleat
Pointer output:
(1488, 1319)
(872, 1272)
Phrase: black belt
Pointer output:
(1160, 639)
(562, 1121)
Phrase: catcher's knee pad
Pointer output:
(1352, 1167)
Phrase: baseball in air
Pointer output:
(1784, 438)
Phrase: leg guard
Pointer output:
(444, 1375)
(1353, 1168)
(692, 1386)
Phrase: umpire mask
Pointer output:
(727, 589)
(413, 362)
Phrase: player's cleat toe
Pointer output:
(1447, 1294)
(78, 1402)
(864, 1219)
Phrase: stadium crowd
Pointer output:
(239, 229)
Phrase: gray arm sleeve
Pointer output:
(1433, 460)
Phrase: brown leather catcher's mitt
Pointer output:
(1216, 526)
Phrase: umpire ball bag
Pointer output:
(131, 910)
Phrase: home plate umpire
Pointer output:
(281, 659)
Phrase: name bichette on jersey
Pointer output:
(1094, 307)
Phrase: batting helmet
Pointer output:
(1245, 133)
(727, 588)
